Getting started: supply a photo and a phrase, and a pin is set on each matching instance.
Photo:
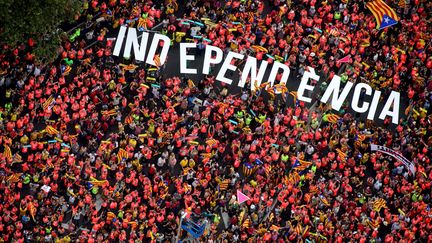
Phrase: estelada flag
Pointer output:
(122, 154)
(248, 169)
(384, 15)
(301, 165)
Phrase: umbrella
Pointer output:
(259, 48)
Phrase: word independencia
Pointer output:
(214, 55)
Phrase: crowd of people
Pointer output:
(96, 149)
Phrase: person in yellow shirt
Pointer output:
(184, 162)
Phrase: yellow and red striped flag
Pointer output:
(374, 224)
(17, 158)
(324, 200)
(292, 178)
(378, 204)
(206, 155)
(332, 118)
(334, 32)
(360, 138)
(67, 70)
(271, 92)
(51, 130)
(247, 223)
(133, 224)
(267, 169)
(248, 170)
(96, 182)
(110, 216)
(275, 228)
(211, 142)
(300, 230)
(7, 153)
(281, 88)
(122, 154)
(142, 23)
(48, 103)
(128, 119)
(341, 154)
(33, 211)
(157, 60)
(130, 67)
(190, 83)
(294, 95)
(14, 178)
(223, 185)
(301, 165)
(313, 189)
(109, 113)
(384, 15)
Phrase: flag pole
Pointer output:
(183, 215)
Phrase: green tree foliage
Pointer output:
(37, 19)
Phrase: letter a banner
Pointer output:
(410, 165)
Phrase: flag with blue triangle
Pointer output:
(384, 15)
(296, 164)
(387, 22)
